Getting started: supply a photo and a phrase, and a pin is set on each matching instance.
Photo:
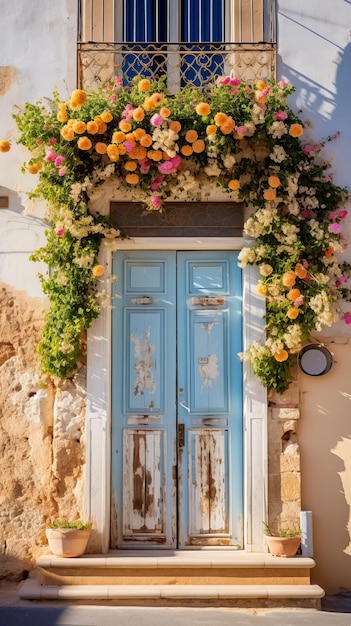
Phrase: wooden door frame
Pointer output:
(98, 416)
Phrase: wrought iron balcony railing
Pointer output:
(185, 64)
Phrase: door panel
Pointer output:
(143, 400)
(209, 399)
(176, 455)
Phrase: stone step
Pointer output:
(216, 578)
(306, 596)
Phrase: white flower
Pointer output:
(265, 269)
(278, 155)
(277, 130)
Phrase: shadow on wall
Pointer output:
(327, 108)
(325, 445)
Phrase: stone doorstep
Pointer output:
(304, 596)
(179, 568)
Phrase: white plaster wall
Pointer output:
(38, 40)
(314, 54)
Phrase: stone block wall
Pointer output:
(42, 439)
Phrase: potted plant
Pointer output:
(285, 543)
(68, 539)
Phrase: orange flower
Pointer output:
(106, 116)
(156, 99)
(289, 278)
(139, 133)
(274, 181)
(199, 146)
(34, 168)
(102, 126)
(125, 126)
(130, 166)
(67, 133)
(62, 114)
(234, 184)
(113, 152)
(293, 313)
(84, 143)
(122, 149)
(146, 141)
(137, 153)
(79, 127)
(300, 271)
(78, 97)
(293, 294)
(98, 270)
(228, 126)
(281, 356)
(175, 126)
(144, 85)
(165, 112)
(191, 136)
(203, 108)
(269, 194)
(261, 289)
(5, 146)
(132, 179)
(328, 253)
(154, 155)
(186, 150)
(100, 147)
(138, 114)
(165, 156)
(211, 130)
(261, 85)
(220, 119)
(118, 137)
(296, 130)
(149, 104)
(92, 127)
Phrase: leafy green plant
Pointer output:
(75, 524)
(153, 146)
(288, 533)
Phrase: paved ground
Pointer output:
(14, 612)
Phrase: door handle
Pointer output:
(182, 404)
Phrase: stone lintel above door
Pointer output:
(179, 219)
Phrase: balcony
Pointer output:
(184, 64)
(101, 53)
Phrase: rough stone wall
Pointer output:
(284, 472)
(42, 448)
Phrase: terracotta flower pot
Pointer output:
(67, 542)
(283, 546)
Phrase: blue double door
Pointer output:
(177, 469)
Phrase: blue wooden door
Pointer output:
(176, 400)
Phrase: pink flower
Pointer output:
(50, 156)
(165, 167)
(145, 166)
(334, 227)
(307, 149)
(60, 232)
(241, 130)
(155, 201)
(128, 145)
(298, 301)
(280, 115)
(118, 81)
(340, 280)
(305, 263)
(128, 112)
(38, 141)
(156, 119)
(346, 318)
(223, 80)
(156, 183)
(283, 83)
(59, 160)
(176, 160)
(113, 98)
(340, 213)
(62, 171)
(235, 82)
(306, 213)
(52, 141)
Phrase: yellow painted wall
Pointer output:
(325, 440)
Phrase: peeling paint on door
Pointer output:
(209, 371)
(143, 351)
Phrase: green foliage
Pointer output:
(250, 144)
(75, 524)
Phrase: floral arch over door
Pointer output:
(157, 146)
